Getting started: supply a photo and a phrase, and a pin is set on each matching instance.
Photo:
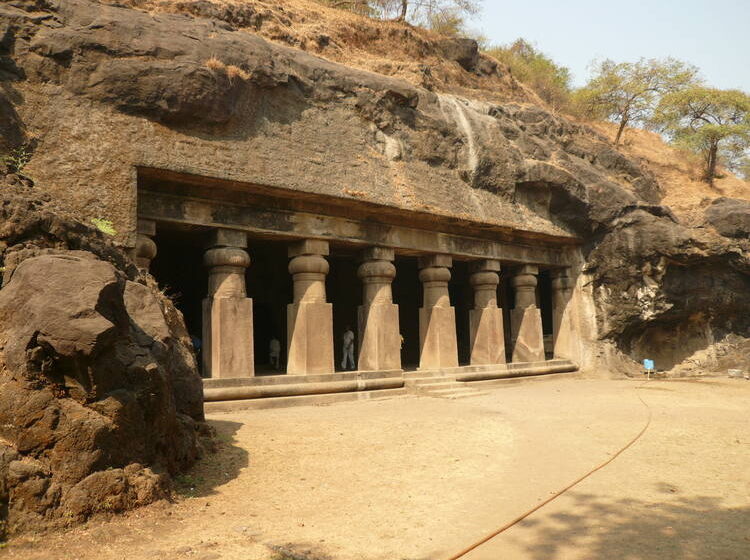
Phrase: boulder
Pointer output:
(461, 50)
(101, 399)
(730, 217)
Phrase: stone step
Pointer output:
(429, 381)
(302, 400)
(435, 386)
(288, 379)
(458, 393)
(505, 381)
(423, 374)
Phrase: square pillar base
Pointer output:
(309, 338)
(379, 337)
(228, 337)
(487, 339)
(437, 338)
(528, 338)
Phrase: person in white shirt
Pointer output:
(348, 348)
(274, 353)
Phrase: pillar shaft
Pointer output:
(486, 319)
(437, 319)
(526, 319)
(562, 333)
(309, 317)
(379, 334)
(227, 311)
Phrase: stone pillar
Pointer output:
(437, 319)
(309, 318)
(486, 319)
(526, 319)
(562, 289)
(145, 248)
(379, 334)
(227, 311)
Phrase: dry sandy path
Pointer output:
(421, 478)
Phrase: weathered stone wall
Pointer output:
(99, 90)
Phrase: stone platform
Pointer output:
(271, 391)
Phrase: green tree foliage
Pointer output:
(713, 122)
(627, 92)
(549, 80)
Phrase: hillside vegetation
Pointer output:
(443, 64)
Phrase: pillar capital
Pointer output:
(226, 274)
(377, 272)
(484, 265)
(308, 247)
(226, 256)
(308, 268)
(524, 281)
(223, 237)
(561, 281)
(435, 261)
(145, 251)
(527, 269)
(377, 254)
(145, 248)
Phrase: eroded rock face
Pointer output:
(730, 217)
(101, 400)
(265, 105)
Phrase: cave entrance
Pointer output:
(408, 296)
(344, 291)
(269, 284)
(179, 271)
(507, 301)
(544, 303)
(462, 299)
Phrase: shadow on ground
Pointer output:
(675, 529)
(215, 469)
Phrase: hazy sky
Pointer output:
(714, 35)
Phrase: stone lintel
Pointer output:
(295, 226)
(308, 247)
(377, 254)
(527, 269)
(431, 261)
(223, 237)
(146, 227)
(485, 265)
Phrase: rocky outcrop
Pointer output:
(101, 400)
(730, 217)
(244, 108)
(99, 362)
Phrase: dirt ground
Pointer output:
(423, 478)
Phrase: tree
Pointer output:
(422, 12)
(548, 79)
(627, 92)
(711, 121)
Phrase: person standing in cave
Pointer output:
(274, 353)
(348, 348)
